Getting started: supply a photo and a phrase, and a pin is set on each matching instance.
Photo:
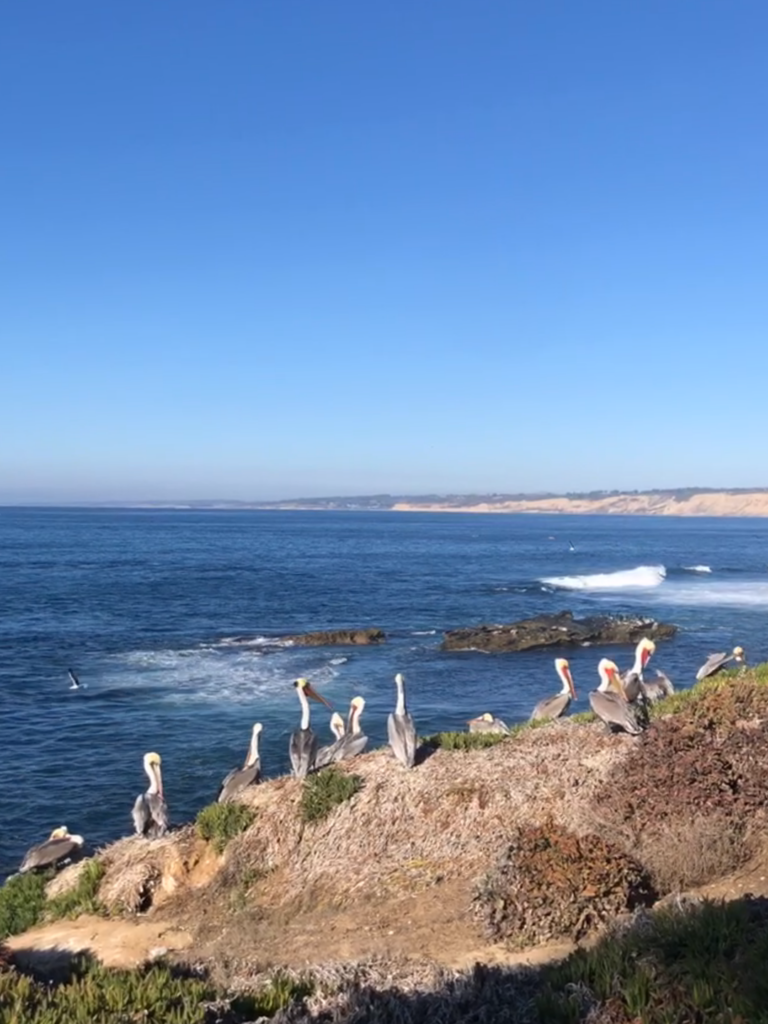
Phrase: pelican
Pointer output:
(612, 708)
(303, 744)
(350, 743)
(325, 754)
(715, 662)
(633, 679)
(74, 680)
(59, 846)
(150, 812)
(400, 728)
(658, 690)
(487, 723)
(554, 707)
(248, 775)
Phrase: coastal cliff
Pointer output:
(659, 503)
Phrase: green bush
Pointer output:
(701, 964)
(464, 740)
(82, 898)
(219, 823)
(22, 900)
(326, 789)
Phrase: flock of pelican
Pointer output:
(619, 701)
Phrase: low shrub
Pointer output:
(550, 883)
(325, 790)
(218, 824)
(22, 900)
(695, 964)
(82, 898)
(464, 740)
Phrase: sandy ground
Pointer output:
(431, 925)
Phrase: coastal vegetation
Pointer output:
(24, 900)
(325, 790)
(218, 824)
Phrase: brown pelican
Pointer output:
(150, 812)
(657, 691)
(633, 679)
(487, 723)
(553, 707)
(350, 743)
(303, 744)
(248, 775)
(400, 728)
(612, 708)
(715, 662)
(59, 846)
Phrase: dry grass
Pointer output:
(683, 853)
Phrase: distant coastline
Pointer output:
(742, 502)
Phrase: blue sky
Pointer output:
(271, 248)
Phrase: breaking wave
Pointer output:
(697, 568)
(643, 576)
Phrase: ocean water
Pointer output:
(150, 608)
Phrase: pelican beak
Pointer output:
(315, 695)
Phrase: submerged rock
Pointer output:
(556, 631)
(337, 637)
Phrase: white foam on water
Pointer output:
(697, 568)
(424, 632)
(726, 594)
(644, 576)
(253, 641)
(338, 661)
(205, 674)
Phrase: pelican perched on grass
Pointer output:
(554, 707)
(248, 775)
(59, 846)
(633, 679)
(659, 689)
(352, 740)
(303, 744)
(715, 662)
(150, 812)
(612, 707)
(487, 723)
(400, 728)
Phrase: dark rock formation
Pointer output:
(337, 637)
(556, 631)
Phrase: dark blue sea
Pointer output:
(146, 607)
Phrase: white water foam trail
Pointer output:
(753, 594)
(643, 576)
(200, 674)
(697, 568)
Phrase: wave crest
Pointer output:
(642, 576)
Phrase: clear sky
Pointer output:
(273, 248)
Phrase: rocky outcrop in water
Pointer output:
(556, 631)
(337, 637)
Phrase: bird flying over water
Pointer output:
(632, 680)
(608, 701)
(487, 723)
(75, 681)
(150, 812)
(715, 662)
(400, 728)
(554, 707)
(239, 778)
(59, 846)
(302, 747)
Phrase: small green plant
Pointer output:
(464, 740)
(280, 990)
(325, 790)
(22, 900)
(82, 898)
(219, 823)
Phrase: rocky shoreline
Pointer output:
(561, 630)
